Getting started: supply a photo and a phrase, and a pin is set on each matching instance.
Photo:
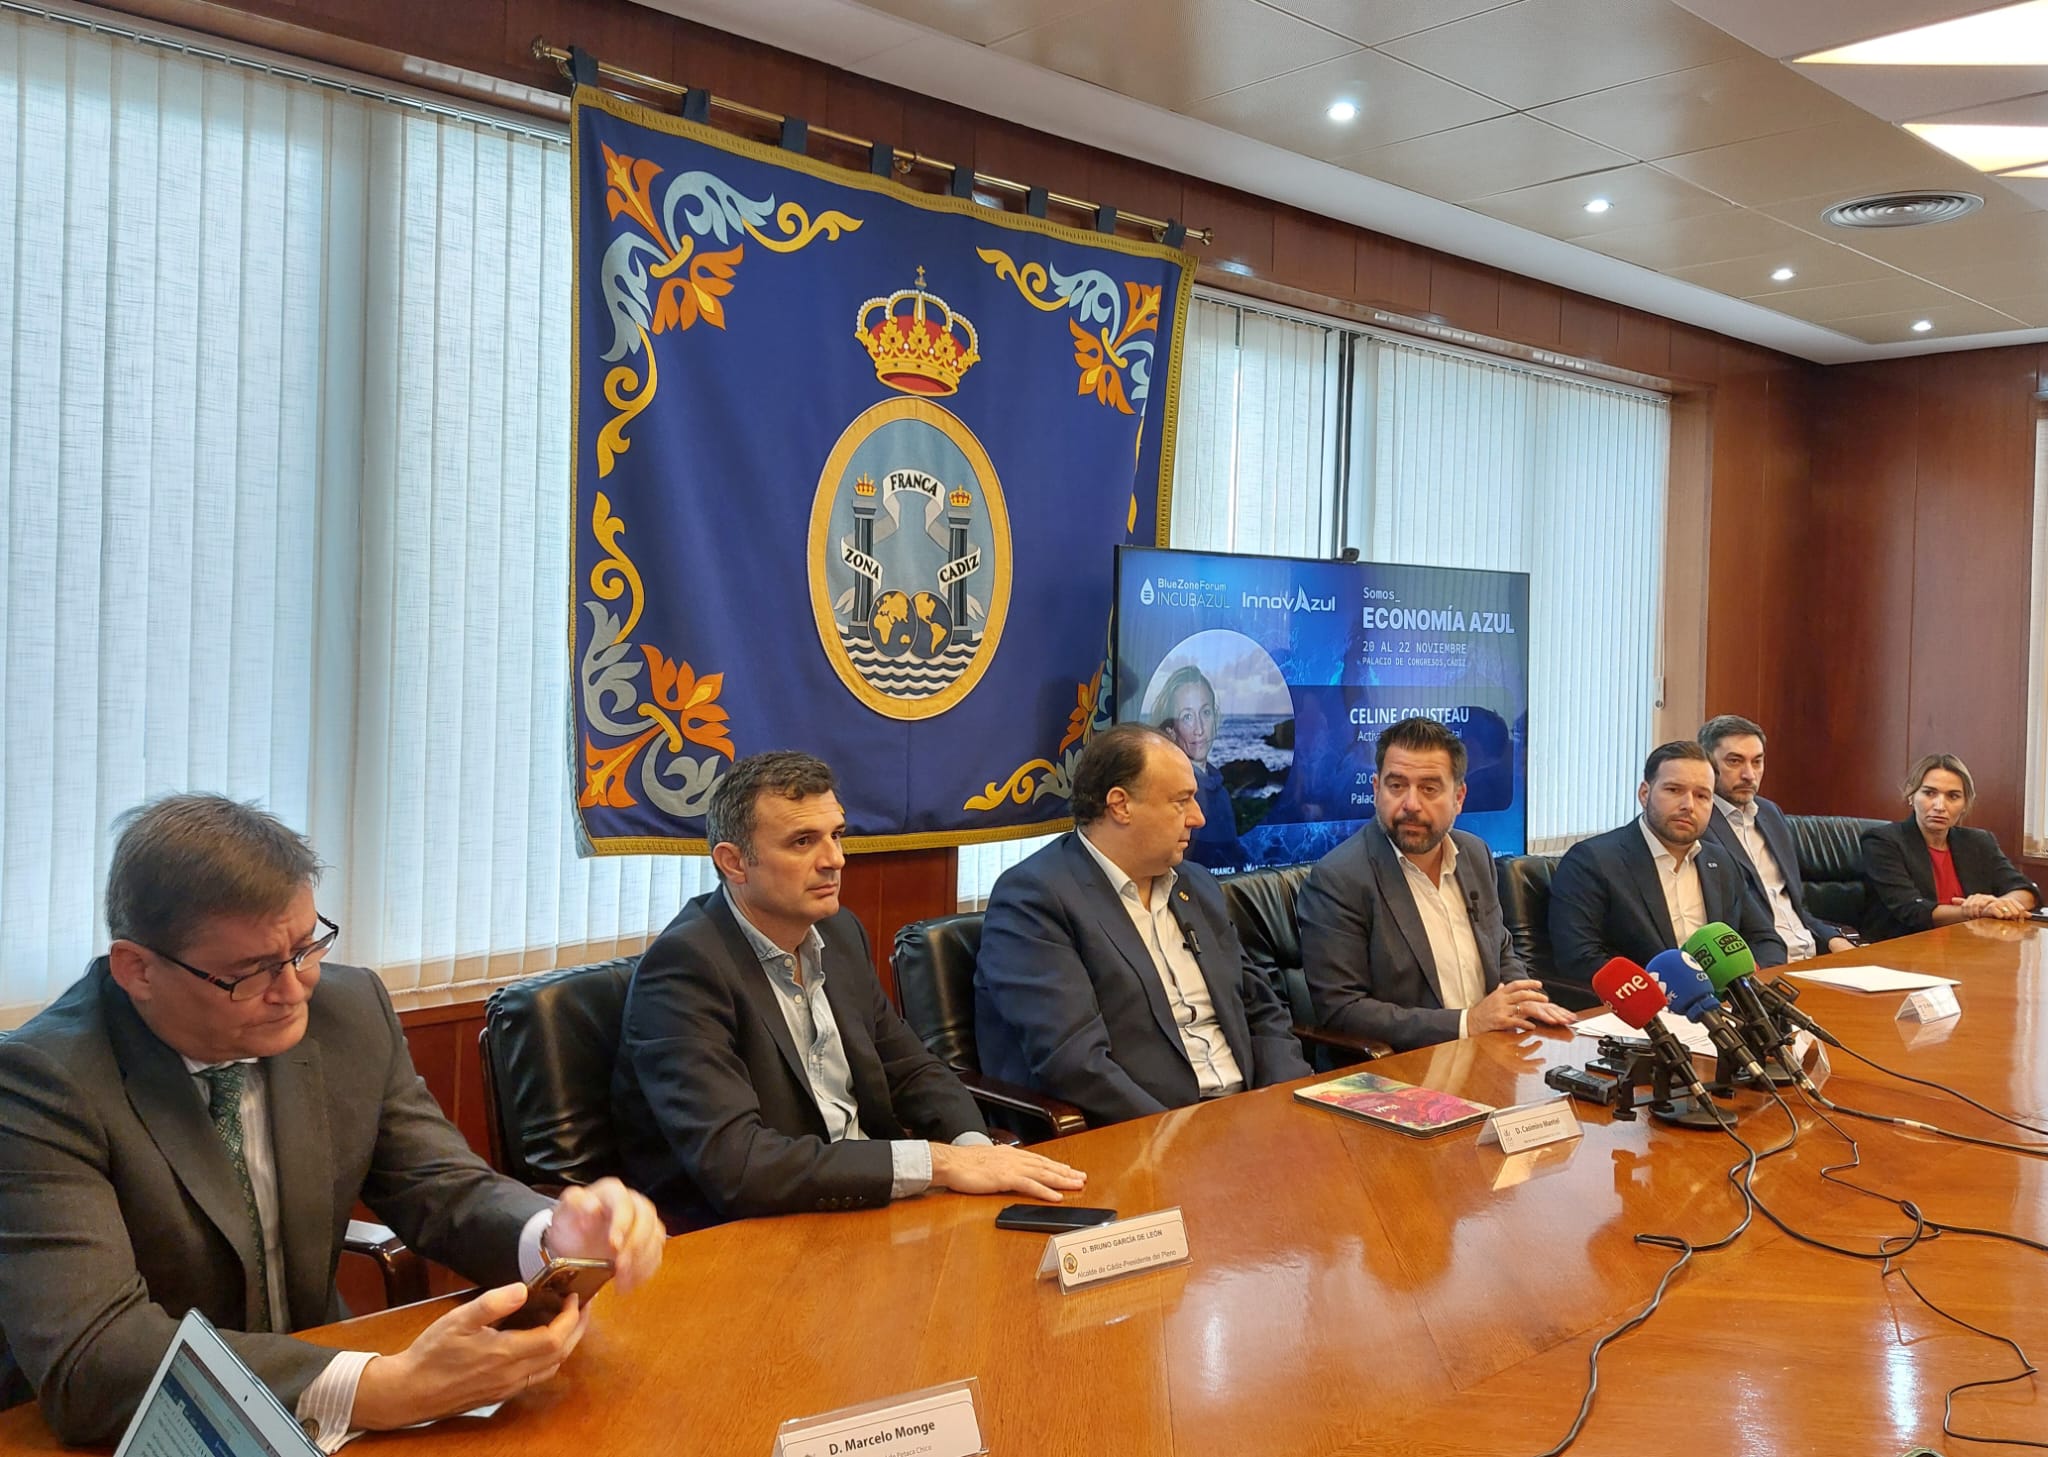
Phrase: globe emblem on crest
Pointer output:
(909, 551)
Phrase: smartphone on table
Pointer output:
(1052, 1218)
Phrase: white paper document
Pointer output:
(1874, 979)
(1607, 1024)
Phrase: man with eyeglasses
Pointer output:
(189, 1126)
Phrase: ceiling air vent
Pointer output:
(1902, 209)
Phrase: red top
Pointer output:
(1947, 888)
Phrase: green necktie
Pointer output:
(224, 1102)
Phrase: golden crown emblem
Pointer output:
(959, 499)
(914, 351)
(865, 486)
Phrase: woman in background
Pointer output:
(1928, 870)
(1186, 711)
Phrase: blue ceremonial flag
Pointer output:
(851, 464)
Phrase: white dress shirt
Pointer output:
(329, 1399)
(1680, 877)
(1187, 990)
(1447, 921)
(1791, 930)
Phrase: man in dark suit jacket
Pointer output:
(1899, 868)
(126, 1200)
(761, 1070)
(1401, 932)
(1744, 821)
(1107, 977)
(1645, 887)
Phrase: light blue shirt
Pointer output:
(815, 1031)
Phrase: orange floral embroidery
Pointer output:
(691, 702)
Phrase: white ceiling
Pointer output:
(1487, 123)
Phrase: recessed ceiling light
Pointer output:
(2016, 35)
(1598, 205)
(1987, 148)
(1921, 326)
(1783, 275)
(1342, 111)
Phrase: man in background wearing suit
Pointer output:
(1401, 932)
(189, 1126)
(761, 1070)
(1755, 832)
(1645, 887)
(1107, 977)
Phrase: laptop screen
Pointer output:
(205, 1403)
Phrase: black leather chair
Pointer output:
(1261, 905)
(1831, 865)
(548, 1046)
(934, 965)
(1524, 883)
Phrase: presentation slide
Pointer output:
(1276, 674)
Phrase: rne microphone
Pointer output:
(1636, 999)
(1693, 994)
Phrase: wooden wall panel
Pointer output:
(1465, 293)
(1972, 560)
(1530, 311)
(1858, 607)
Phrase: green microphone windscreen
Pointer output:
(1721, 953)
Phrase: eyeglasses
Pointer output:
(254, 984)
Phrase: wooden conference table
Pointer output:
(1356, 1291)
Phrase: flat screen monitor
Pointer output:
(1277, 674)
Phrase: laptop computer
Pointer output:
(204, 1400)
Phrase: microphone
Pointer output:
(1729, 964)
(1188, 938)
(1635, 998)
(1693, 994)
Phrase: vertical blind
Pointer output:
(284, 485)
(1298, 437)
(2034, 834)
(1479, 464)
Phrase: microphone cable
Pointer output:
(1934, 1229)
(1746, 1167)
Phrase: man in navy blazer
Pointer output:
(1109, 974)
(761, 1069)
(1402, 938)
(1645, 887)
(1754, 831)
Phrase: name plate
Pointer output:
(939, 1421)
(1146, 1242)
(1531, 1125)
(1933, 1005)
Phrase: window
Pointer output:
(2034, 834)
(284, 454)
(1299, 436)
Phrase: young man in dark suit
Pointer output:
(1755, 832)
(761, 1070)
(189, 1126)
(1109, 974)
(1645, 887)
(1401, 932)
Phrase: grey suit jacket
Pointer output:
(1777, 834)
(1364, 951)
(119, 1209)
(1066, 998)
(716, 1117)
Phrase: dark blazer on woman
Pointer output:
(1900, 875)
